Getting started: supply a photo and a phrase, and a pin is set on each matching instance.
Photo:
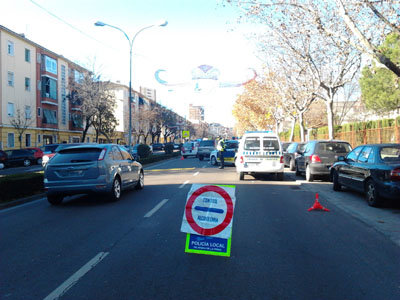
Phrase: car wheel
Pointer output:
(309, 176)
(241, 176)
(280, 176)
(292, 165)
(55, 200)
(140, 183)
(27, 162)
(201, 157)
(335, 179)
(213, 161)
(298, 173)
(371, 194)
(116, 189)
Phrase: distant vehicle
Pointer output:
(373, 169)
(260, 152)
(318, 156)
(51, 151)
(231, 148)
(19, 157)
(158, 146)
(38, 153)
(176, 146)
(292, 152)
(205, 148)
(3, 157)
(91, 168)
(189, 149)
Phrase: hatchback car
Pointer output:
(318, 156)
(157, 146)
(19, 157)
(205, 148)
(189, 149)
(38, 153)
(291, 153)
(91, 168)
(373, 169)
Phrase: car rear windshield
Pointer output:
(390, 154)
(333, 147)
(207, 144)
(252, 144)
(76, 155)
(270, 144)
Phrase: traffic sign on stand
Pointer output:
(185, 133)
(208, 219)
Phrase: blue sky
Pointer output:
(198, 32)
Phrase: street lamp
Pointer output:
(162, 23)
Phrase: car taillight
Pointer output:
(102, 154)
(395, 174)
(281, 159)
(315, 158)
(241, 160)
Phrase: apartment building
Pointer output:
(196, 114)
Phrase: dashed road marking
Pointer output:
(173, 169)
(195, 174)
(157, 207)
(70, 282)
(183, 184)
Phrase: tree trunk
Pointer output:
(329, 112)
(292, 129)
(85, 130)
(301, 123)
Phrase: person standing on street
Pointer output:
(221, 149)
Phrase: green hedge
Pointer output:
(154, 158)
(20, 185)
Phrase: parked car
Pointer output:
(318, 156)
(231, 148)
(91, 168)
(37, 153)
(189, 149)
(260, 152)
(19, 157)
(53, 150)
(157, 146)
(3, 157)
(205, 148)
(373, 169)
(176, 146)
(292, 152)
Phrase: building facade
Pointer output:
(196, 114)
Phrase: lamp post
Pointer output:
(98, 23)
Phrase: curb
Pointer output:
(21, 201)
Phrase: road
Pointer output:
(90, 248)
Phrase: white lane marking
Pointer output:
(183, 184)
(70, 282)
(195, 174)
(157, 207)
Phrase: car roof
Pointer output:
(329, 141)
(381, 145)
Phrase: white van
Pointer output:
(260, 152)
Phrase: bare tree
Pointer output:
(21, 121)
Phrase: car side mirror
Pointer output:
(340, 158)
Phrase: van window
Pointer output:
(252, 144)
(270, 144)
(206, 144)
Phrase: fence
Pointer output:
(363, 136)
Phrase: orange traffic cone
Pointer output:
(317, 205)
(182, 157)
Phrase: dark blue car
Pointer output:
(373, 169)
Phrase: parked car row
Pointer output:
(19, 157)
(373, 169)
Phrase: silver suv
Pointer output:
(205, 148)
(102, 168)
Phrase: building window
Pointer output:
(39, 138)
(10, 48)
(27, 84)
(10, 78)
(49, 116)
(78, 76)
(10, 140)
(28, 140)
(49, 88)
(88, 140)
(50, 65)
(10, 109)
(28, 113)
(27, 55)
(39, 111)
(77, 121)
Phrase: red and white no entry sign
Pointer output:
(209, 210)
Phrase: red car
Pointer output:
(37, 153)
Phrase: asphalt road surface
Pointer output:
(90, 248)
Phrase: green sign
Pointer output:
(185, 133)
